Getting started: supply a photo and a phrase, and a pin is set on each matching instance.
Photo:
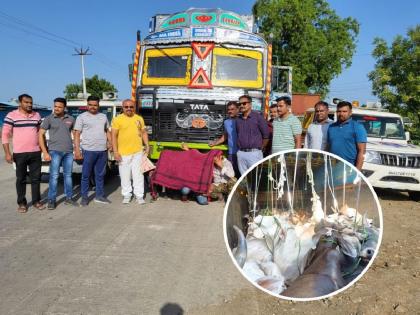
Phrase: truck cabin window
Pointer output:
(167, 67)
(381, 127)
(236, 68)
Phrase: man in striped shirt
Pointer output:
(22, 125)
(287, 129)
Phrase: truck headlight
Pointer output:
(373, 157)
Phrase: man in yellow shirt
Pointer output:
(128, 137)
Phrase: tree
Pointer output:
(309, 36)
(94, 85)
(396, 77)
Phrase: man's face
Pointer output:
(244, 105)
(59, 108)
(321, 113)
(93, 107)
(232, 111)
(274, 113)
(26, 104)
(282, 108)
(343, 113)
(128, 108)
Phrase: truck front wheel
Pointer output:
(414, 195)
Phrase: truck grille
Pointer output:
(401, 160)
(167, 129)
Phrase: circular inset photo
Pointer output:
(303, 225)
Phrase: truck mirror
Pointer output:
(407, 136)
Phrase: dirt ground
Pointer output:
(391, 286)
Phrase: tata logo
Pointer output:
(199, 107)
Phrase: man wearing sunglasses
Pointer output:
(96, 139)
(129, 135)
(253, 134)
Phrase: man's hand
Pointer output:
(8, 157)
(109, 146)
(117, 157)
(218, 161)
(78, 155)
(46, 156)
(212, 143)
(146, 150)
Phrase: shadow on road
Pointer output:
(171, 309)
(393, 195)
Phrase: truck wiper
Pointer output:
(236, 54)
(170, 57)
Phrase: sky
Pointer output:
(38, 38)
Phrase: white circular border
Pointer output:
(378, 204)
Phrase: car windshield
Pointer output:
(381, 127)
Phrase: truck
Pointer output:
(190, 65)
(390, 161)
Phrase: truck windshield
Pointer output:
(237, 68)
(381, 127)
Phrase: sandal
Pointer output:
(39, 205)
(22, 209)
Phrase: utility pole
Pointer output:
(83, 53)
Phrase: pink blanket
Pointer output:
(192, 169)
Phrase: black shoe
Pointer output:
(84, 202)
(51, 205)
(71, 202)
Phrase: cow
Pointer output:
(323, 272)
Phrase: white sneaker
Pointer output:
(126, 200)
(140, 201)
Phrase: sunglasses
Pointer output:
(128, 107)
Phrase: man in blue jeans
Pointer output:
(60, 151)
(96, 139)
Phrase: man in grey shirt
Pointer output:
(59, 152)
(316, 135)
(96, 139)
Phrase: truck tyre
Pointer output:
(414, 195)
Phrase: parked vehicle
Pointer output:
(189, 66)
(390, 161)
(109, 107)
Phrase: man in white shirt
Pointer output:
(316, 135)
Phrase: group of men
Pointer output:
(88, 138)
(85, 138)
(250, 136)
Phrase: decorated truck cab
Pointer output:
(190, 65)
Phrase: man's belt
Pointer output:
(249, 150)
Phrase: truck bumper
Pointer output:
(398, 178)
(156, 147)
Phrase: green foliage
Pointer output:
(94, 85)
(310, 37)
(396, 77)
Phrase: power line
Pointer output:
(37, 31)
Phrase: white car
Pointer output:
(390, 161)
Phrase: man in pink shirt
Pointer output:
(22, 126)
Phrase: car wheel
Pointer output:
(414, 195)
